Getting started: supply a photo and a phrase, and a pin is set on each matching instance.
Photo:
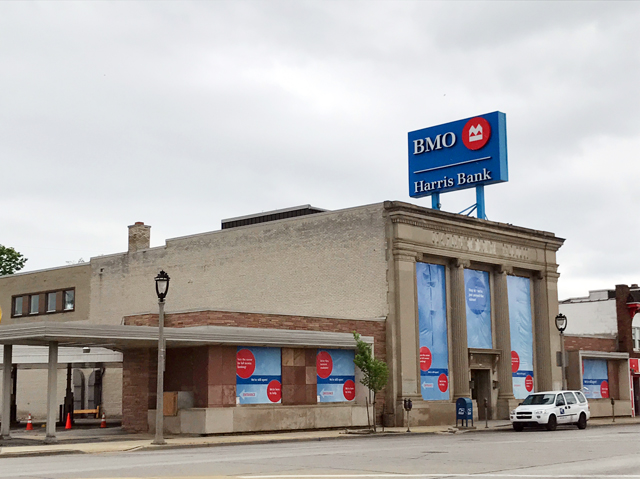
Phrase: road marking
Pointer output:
(543, 476)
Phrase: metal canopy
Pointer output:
(120, 338)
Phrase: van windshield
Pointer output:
(538, 399)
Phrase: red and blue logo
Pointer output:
(476, 133)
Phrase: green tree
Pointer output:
(375, 372)
(10, 260)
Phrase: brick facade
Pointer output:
(139, 375)
(584, 343)
(299, 379)
(625, 338)
(211, 369)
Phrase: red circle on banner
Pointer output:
(515, 362)
(476, 133)
(443, 382)
(604, 389)
(425, 358)
(274, 391)
(349, 390)
(324, 364)
(528, 383)
(245, 363)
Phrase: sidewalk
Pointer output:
(115, 439)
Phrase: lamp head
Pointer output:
(162, 285)
(561, 322)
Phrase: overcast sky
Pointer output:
(180, 114)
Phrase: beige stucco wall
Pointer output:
(328, 264)
(74, 276)
(262, 418)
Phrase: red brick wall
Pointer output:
(625, 338)
(186, 370)
(199, 376)
(139, 373)
(222, 380)
(377, 329)
(578, 343)
(221, 376)
(614, 379)
(178, 361)
(299, 380)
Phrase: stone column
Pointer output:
(52, 393)
(503, 342)
(551, 290)
(542, 332)
(407, 324)
(460, 351)
(6, 391)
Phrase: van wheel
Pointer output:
(582, 422)
(518, 427)
(552, 424)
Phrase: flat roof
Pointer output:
(120, 338)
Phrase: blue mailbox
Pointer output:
(464, 411)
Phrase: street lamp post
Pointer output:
(162, 287)
(561, 325)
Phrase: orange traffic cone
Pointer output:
(68, 426)
(29, 424)
(103, 423)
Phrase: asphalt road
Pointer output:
(604, 452)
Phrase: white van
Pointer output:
(552, 408)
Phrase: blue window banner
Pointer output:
(595, 378)
(336, 375)
(521, 330)
(432, 323)
(258, 375)
(478, 299)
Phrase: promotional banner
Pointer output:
(595, 378)
(432, 323)
(258, 375)
(336, 375)
(478, 299)
(521, 329)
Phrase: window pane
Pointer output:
(51, 302)
(17, 306)
(69, 299)
(571, 399)
(35, 303)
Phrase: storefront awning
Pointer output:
(120, 338)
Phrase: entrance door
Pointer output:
(482, 390)
(636, 394)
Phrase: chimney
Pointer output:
(139, 236)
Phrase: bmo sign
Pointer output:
(461, 154)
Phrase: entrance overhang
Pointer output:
(120, 338)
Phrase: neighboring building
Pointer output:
(260, 315)
(57, 295)
(603, 348)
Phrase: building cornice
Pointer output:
(435, 220)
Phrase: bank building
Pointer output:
(260, 316)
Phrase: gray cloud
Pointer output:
(182, 113)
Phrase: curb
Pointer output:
(59, 452)
(340, 436)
